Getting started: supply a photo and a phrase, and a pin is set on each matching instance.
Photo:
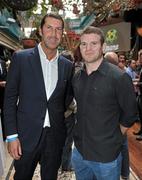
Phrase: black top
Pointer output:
(140, 82)
(3, 70)
(105, 99)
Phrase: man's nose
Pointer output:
(54, 32)
(88, 47)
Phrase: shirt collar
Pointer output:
(130, 69)
(103, 68)
(43, 55)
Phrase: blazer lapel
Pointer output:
(61, 69)
(37, 70)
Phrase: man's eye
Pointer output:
(83, 44)
(94, 43)
(48, 27)
(59, 28)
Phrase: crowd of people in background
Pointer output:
(133, 66)
(93, 98)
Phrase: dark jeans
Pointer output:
(67, 150)
(46, 153)
(125, 171)
(139, 103)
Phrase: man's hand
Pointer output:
(14, 149)
(2, 83)
(123, 129)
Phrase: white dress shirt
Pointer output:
(50, 75)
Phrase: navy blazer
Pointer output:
(25, 101)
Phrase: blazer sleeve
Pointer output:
(69, 91)
(11, 96)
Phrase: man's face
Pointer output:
(140, 58)
(133, 64)
(91, 47)
(51, 33)
(121, 65)
(121, 58)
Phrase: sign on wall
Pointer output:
(117, 36)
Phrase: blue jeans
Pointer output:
(91, 170)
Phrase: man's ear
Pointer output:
(104, 47)
(40, 32)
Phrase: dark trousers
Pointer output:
(47, 153)
(139, 103)
(67, 150)
(125, 171)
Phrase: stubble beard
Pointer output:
(49, 45)
(92, 60)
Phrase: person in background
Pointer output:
(78, 61)
(121, 56)
(106, 108)
(137, 79)
(37, 94)
(112, 57)
(139, 62)
(3, 74)
(122, 61)
(66, 164)
(131, 69)
(139, 100)
(69, 121)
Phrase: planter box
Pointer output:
(29, 43)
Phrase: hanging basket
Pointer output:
(21, 5)
(29, 43)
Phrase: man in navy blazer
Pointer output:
(38, 90)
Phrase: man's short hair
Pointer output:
(52, 15)
(94, 30)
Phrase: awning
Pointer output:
(9, 42)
